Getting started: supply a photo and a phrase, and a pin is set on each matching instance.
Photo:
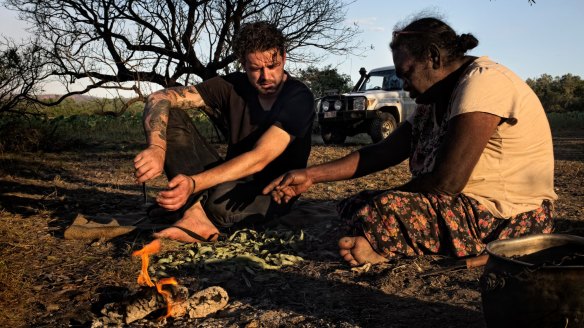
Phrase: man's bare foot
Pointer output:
(357, 251)
(194, 220)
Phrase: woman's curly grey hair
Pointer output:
(420, 34)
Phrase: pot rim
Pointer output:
(503, 248)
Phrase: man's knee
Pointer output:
(179, 131)
(232, 203)
(218, 214)
(223, 217)
(178, 118)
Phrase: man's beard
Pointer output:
(272, 87)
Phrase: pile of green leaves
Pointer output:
(245, 250)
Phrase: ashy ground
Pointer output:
(48, 281)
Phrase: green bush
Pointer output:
(99, 106)
(25, 133)
(560, 94)
(19, 133)
(573, 121)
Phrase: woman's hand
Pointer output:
(288, 185)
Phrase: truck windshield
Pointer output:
(382, 80)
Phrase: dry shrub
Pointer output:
(19, 135)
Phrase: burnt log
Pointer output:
(147, 300)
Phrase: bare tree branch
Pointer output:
(21, 69)
(171, 42)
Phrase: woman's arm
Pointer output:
(390, 151)
(464, 142)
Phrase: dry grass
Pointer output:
(46, 281)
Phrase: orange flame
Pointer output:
(144, 278)
(166, 294)
(144, 253)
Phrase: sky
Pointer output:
(544, 38)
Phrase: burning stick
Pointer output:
(144, 278)
(166, 294)
(149, 300)
(198, 305)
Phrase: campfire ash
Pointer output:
(163, 294)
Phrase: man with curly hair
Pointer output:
(267, 116)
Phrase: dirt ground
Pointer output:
(48, 281)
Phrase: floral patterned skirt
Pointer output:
(398, 223)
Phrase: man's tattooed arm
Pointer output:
(157, 108)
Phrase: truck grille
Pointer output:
(346, 104)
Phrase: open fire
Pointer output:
(144, 278)
(177, 300)
(180, 302)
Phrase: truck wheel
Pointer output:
(382, 126)
(331, 137)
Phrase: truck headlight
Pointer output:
(325, 106)
(338, 105)
(359, 103)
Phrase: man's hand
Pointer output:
(288, 185)
(149, 163)
(179, 190)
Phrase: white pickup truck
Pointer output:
(376, 105)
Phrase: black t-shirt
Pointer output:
(237, 101)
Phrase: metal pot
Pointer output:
(534, 281)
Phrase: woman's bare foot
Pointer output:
(357, 251)
(194, 220)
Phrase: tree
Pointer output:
(321, 80)
(21, 68)
(559, 94)
(173, 42)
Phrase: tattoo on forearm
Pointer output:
(181, 91)
(157, 123)
(159, 104)
(157, 117)
(186, 97)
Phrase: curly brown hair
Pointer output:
(258, 36)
